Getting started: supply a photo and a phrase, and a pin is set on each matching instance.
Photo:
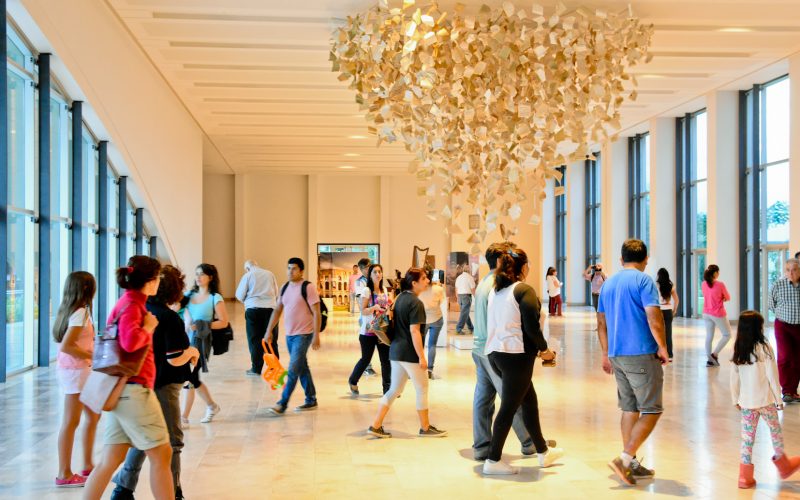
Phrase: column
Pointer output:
(662, 196)
(723, 191)
(122, 247)
(614, 214)
(385, 229)
(77, 185)
(794, 152)
(139, 215)
(153, 243)
(44, 211)
(311, 239)
(576, 221)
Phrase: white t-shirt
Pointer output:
(553, 286)
(465, 284)
(665, 305)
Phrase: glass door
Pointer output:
(699, 266)
(773, 260)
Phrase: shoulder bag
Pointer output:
(220, 337)
(110, 358)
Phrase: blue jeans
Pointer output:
(464, 303)
(433, 336)
(298, 345)
(487, 386)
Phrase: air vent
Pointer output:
(253, 46)
(701, 54)
(256, 67)
(239, 18)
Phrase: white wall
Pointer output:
(614, 202)
(576, 234)
(662, 196)
(219, 230)
(152, 138)
(794, 152)
(548, 230)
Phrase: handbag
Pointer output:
(110, 358)
(220, 337)
(382, 326)
(101, 392)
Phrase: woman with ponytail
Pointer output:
(715, 294)
(514, 340)
(137, 420)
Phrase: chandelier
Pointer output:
(490, 103)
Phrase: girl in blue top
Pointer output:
(204, 304)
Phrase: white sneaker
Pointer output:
(210, 412)
(547, 459)
(492, 468)
(184, 423)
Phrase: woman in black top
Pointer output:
(407, 354)
(173, 357)
(514, 339)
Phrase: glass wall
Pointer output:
(593, 230)
(561, 231)
(639, 187)
(22, 345)
(765, 194)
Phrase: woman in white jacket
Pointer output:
(514, 339)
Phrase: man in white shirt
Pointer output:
(465, 286)
(258, 291)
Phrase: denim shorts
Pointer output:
(640, 383)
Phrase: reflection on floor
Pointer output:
(246, 454)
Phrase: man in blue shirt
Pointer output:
(631, 333)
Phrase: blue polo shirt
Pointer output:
(623, 300)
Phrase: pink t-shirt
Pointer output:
(297, 317)
(714, 299)
(85, 341)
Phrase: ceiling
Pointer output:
(256, 77)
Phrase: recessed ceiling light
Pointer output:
(347, 167)
(357, 137)
(735, 30)
(352, 155)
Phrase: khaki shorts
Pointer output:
(640, 383)
(137, 420)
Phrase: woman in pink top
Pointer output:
(74, 332)
(715, 294)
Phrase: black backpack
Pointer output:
(323, 309)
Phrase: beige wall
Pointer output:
(219, 229)
(348, 209)
(152, 138)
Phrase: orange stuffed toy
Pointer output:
(274, 374)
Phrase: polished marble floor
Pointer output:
(246, 454)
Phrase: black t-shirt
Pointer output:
(169, 341)
(408, 310)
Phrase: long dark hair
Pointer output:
(664, 283)
(749, 334)
(708, 274)
(79, 290)
(210, 270)
(138, 272)
(509, 268)
(550, 271)
(370, 284)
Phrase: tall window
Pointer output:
(639, 187)
(60, 204)
(692, 214)
(20, 269)
(561, 230)
(130, 231)
(764, 197)
(592, 236)
(114, 235)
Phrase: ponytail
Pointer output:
(708, 274)
(509, 268)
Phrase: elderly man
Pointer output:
(784, 301)
(258, 291)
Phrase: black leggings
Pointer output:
(368, 345)
(516, 371)
(668, 328)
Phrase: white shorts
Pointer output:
(71, 380)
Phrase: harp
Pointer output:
(419, 257)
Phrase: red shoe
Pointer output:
(86, 472)
(746, 480)
(75, 481)
(786, 465)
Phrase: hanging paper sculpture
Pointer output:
(490, 103)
